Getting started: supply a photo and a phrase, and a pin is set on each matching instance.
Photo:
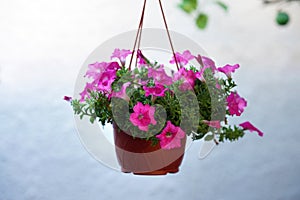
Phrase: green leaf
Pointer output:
(188, 6)
(282, 18)
(201, 20)
(222, 5)
(92, 119)
(209, 138)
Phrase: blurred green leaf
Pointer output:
(222, 5)
(282, 18)
(188, 6)
(202, 20)
(209, 138)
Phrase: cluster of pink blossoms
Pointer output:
(104, 74)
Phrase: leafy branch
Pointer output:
(193, 8)
(277, 1)
(201, 18)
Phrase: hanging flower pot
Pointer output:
(155, 110)
(142, 157)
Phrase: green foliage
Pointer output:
(202, 20)
(172, 107)
(209, 137)
(154, 141)
(188, 6)
(97, 106)
(208, 101)
(222, 5)
(282, 18)
(229, 85)
(231, 134)
(192, 7)
(83, 109)
(102, 107)
(123, 71)
(211, 103)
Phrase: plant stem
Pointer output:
(277, 1)
(215, 140)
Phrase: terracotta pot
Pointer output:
(139, 156)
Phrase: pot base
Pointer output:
(164, 171)
(140, 157)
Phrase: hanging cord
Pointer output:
(168, 32)
(139, 34)
(139, 40)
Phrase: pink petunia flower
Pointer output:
(141, 58)
(160, 76)
(158, 90)
(200, 74)
(86, 92)
(188, 77)
(143, 116)
(236, 104)
(171, 136)
(121, 55)
(122, 92)
(68, 99)
(183, 58)
(209, 63)
(105, 81)
(228, 69)
(213, 124)
(248, 126)
(95, 69)
(206, 62)
(113, 66)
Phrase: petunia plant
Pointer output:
(153, 102)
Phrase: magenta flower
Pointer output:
(236, 104)
(248, 126)
(121, 55)
(209, 63)
(170, 136)
(205, 62)
(105, 81)
(113, 66)
(86, 92)
(159, 75)
(213, 124)
(228, 69)
(187, 76)
(95, 69)
(143, 116)
(141, 58)
(68, 99)
(200, 74)
(199, 59)
(122, 92)
(158, 90)
(183, 58)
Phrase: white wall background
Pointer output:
(42, 46)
